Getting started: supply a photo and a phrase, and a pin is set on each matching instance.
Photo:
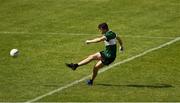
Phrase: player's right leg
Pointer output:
(95, 56)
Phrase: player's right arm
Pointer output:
(99, 39)
(120, 43)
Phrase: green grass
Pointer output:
(40, 66)
(149, 78)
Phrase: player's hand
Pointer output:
(121, 48)
(87, 42)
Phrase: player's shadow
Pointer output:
(140, 85)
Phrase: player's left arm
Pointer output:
(96, 40)
(120, 43)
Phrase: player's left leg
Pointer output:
(96, 68)
(95, 56)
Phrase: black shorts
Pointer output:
(106, 60)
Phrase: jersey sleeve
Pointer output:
(110, 35)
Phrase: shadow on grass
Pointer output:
(140, 85)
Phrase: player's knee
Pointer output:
(96, 67)
(91, 56)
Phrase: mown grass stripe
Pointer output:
(85, 34)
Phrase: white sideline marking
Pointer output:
(104, 69)
(84, 34)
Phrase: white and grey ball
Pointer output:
(14, 52)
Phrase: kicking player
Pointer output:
(103, 58)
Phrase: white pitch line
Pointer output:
(103, 70)
(50, 33)
(85, 34)
(149, 37)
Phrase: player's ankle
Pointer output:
(76, 65)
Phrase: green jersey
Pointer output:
(110, 43)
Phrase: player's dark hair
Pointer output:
(103, 26)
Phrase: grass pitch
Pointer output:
(49, 33)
